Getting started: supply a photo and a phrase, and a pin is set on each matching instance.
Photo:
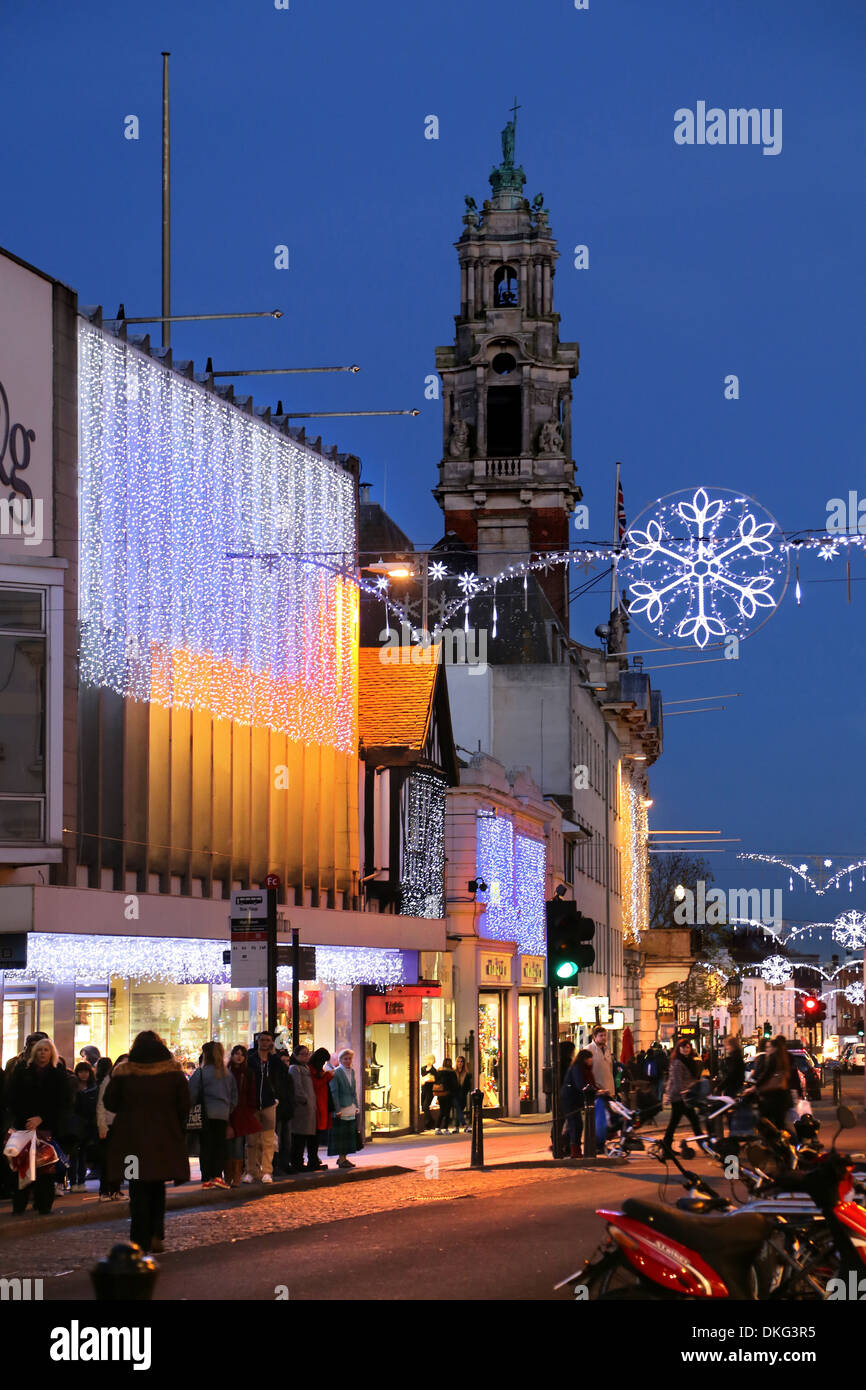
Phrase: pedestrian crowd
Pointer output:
(258, 1113)
(591, 1077)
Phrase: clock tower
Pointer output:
(507, 479)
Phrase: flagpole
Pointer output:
(613, 592)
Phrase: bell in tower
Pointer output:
(507, 479)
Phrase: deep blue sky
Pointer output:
(306, 127)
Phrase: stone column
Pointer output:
(470, 291)
(481, 421)
(546, 309)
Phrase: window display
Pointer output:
(387, 1077)
(19, 1019)
(91, 1021)
(490, 1048)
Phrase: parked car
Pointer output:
(853, 1057)
(808, 1069)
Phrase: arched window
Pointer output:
(505, 287)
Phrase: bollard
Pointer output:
(837, 1085)
(127, 1275)
(476, 1156)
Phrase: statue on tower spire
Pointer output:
(509, 136)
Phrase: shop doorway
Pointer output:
(390, 1067)
(491, 1071)
(527, 1052)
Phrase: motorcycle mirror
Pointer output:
(846, 1117)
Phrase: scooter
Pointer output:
(654, 1251)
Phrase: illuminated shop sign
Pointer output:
(209, 545)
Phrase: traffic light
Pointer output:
(567, 932)
(768, 1029)
(812, 1010)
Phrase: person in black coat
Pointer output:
(578, 1090)
(82, 1125)
(445, 1088)
(732, 1069)
(37, 1099)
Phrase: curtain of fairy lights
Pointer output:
(635, 860)
(513, 867)
(530, 863)
(423, 872)
(70, 959)
(181, 495)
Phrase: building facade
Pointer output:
(185, 680)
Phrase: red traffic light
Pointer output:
(810, 1006)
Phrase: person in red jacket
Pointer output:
(243, 1120)
(321, 1072)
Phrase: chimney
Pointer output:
(364, 493)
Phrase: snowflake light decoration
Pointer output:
(849, 930)
(469, 583)
(704, 566)
(776, 970)
(437, 570)
(855, 994)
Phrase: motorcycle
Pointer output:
(707, 1249)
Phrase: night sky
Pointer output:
(306, 128)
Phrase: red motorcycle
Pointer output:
(655, 1251)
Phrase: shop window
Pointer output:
(22, 715)
(490, 1048)
(436, 1030)
(387, 1077)
(180, 1014)
(91, 1022)
(19, 1019)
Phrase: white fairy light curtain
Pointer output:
(70, 959)
(216, 554)
(513, 867)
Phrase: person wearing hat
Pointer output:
(344, 1124)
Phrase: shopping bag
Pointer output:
(20, 1150)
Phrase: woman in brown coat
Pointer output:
(149, 1096)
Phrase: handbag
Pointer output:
(198, 1112)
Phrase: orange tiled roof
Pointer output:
(394, 702)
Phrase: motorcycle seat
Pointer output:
(738, 1234)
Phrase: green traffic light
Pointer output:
(567, 970)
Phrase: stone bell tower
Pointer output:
(506, 480)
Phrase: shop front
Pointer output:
(530, 1039)
(403, 1027)
(510, 1030)
(64, 993)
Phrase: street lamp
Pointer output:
(734, 994)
